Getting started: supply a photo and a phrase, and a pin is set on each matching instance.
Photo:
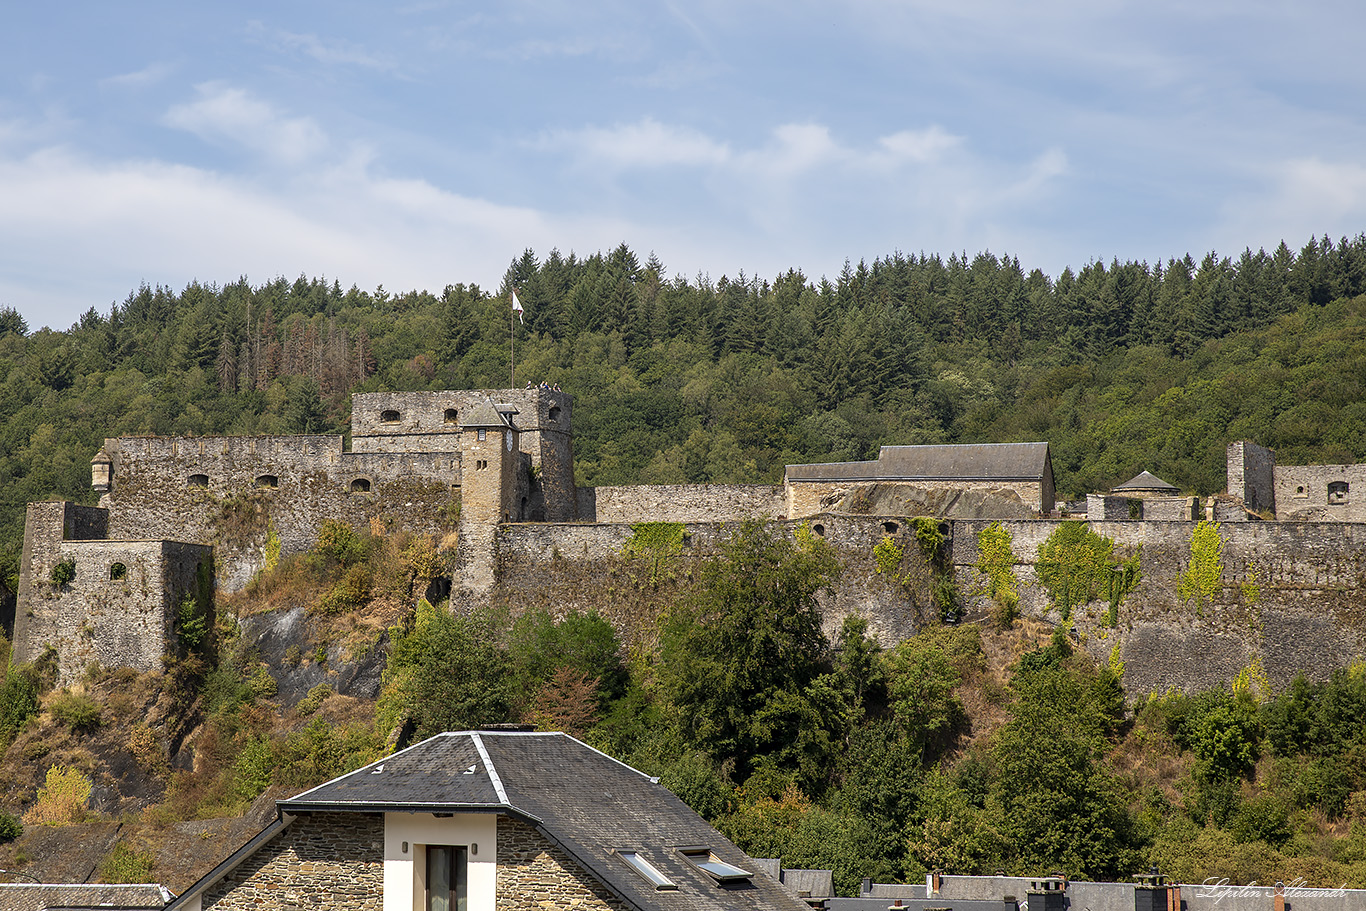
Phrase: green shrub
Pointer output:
(314, 700)
(350, 592)
(77, 711)
(10, 827)
(18, 701)
(125, 865)
(63, 572)
(339, 543)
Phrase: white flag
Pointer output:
(517, 307)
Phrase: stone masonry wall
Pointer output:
(1251, 475)
(1015, 499)
(1321, 493)
(323, 860)
(153, 497)
(680, 503)
(119, 622)
(535, 875)
(1290, 595)
(584, 567)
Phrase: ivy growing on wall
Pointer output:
(655, 542)
(1075, 565)
(1202, 577)
(996, 561)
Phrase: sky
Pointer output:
(415, 145)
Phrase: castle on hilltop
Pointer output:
(180, 517)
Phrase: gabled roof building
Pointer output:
(1020, 471)
(485, 820)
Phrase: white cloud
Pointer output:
(1294, 200)
(228, 116)
(327, 51)
(645, 144)
(76, 233)
(919, 146)
(148, 75)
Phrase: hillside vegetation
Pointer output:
(968, 748)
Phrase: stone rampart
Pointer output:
(1289, 595)
(1251, 475)
(680, 503)
(236, 492)
(585, 567)
(1321, 493)
(118, 601)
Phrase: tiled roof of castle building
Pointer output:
(966, 462)
(1146, 481)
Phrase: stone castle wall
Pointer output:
(680, 503)
(119, 609)
(217, 491)
(1290, 595)
(562, 568)
(1321, 493)
(1251, 475)
(1015, 499)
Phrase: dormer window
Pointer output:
(389, 416)
(1337, 493)
(718, 869)
(451, 416)
(648, 871)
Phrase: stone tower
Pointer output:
(493, 489)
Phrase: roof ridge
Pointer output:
(488, 767)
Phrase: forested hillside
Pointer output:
(967, 748)
(1122, 367)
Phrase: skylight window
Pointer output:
(648, 871)
(704, 860)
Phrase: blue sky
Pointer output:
(416, 145)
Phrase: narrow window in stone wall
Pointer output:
(360, 485)
(389, 416)
(452, 416)
(447, 878)
(197, 480)
(268, 481)
(1337, 493)
(480, 464)
(1301, 491)
(117, 571)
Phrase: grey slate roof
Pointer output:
(1145, 481)
(965, 462)
(484, 414)
(577, 797)
(81, 896)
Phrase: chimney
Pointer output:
(1278, 903)
(936, 879)
(1152, 893)
(1051, 894)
